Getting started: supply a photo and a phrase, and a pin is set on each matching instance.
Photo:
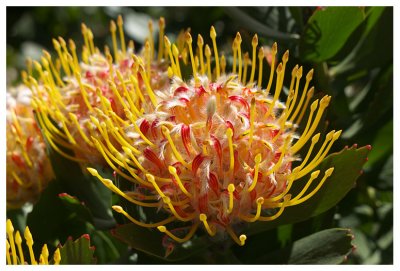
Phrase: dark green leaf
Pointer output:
(150, 241)
(383, 145)
(325, 247)
(78, 251)
(327, 31)
(76, 207)
(348, 164)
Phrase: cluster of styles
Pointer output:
(210, 151)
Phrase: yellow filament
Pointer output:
(109, 162)
(172, 170)
(296, 91)
(252, 117)
(240, 241)
(319, 157)
(286, 200)
(61, 118)
(283, 152)
(84, 92)
(188, 39)
(72, 47)
(308, 79)
(120, 210)
(208, 58)
(137, 128)
(246, 218)
(323, 104)
(18, 241)
(314, 141)
(110, 185)
(213, 36)
(19, 181)
(10, 234)
(113, 29)
(140, 167)
(254, 43)
(57, 47)
(161, 24)
(167, 201)
(239, 52)
(231, 189)
(116, 93)
(29, 65)
(193, 229)
(57, 257)
(313, 176)
(310, 93)
(8, 253)
(176, 153)
(246, 63)
(285, 59)
(122, 140)
(126, 94)
(171, 57)
(175, 52)
(274, 50)
(260, 67)
(90, 37)
(328, 138)
(47, 125)
(234, 50)
(45, 254)
(291, 179)
(148, 87)
(152, 180)
(147, 57)
(203, 218)
(229, 134)
(48, 72)
(328, 173)
(200, 43)
(137, 89)
(62, 153)
(29, 242)
(151, 41)
(279, 75)
(223, 64)
(257, 161)
(120, 23)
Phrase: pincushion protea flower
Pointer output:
(28, 168)
(69, 93)
(218, 150)
(14, 246)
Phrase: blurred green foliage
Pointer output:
(351, 51)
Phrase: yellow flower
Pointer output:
(28, 168)
(218, 150)
(15, 253)
(73, 98)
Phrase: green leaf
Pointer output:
(327, 31)
(76, 207)
(150, 241)
(383, 145)
(347, 163)
(78, 251)
(330, 246)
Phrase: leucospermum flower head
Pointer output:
(218, 150)
(73, 98)
(14, 248)
(28, 168)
